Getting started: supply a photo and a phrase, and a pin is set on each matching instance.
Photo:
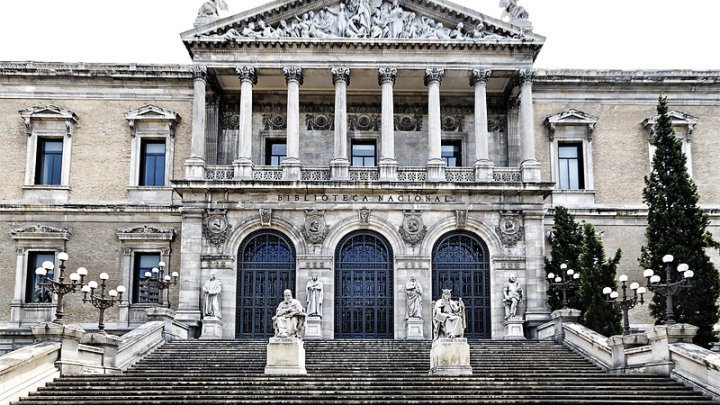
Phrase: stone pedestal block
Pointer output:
(313, 327)
(69, 337)
(450, 357)
(565, 315)
(660, 338)
(211, 328)
(285, 356)
(619, 343)
(484, 170)
(292, 170)
(194, 169)
(514, 329)
(531, 171)
(340, 169)
(243, 169)
(414, 329)
(388, 170)
(436, 170)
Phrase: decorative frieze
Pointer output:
(408, 122)
(315, 229)
(413, 230)
(216, 227)
(146, 232)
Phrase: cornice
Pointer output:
(92, 70)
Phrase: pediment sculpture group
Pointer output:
(354, 19)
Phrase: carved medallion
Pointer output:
(273, 122)
(510, 230)
(363, 122)
(408, 122)
(364, 215)
(453, 123)
(320, 122)
(265, 216)
(412, 230)
(315, 229)
(461, 218)
(217, 228)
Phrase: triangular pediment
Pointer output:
(357, 21)
(152, 112)
(48, 111)
(572, 117)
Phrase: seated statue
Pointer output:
(289, 319)
(448, 317)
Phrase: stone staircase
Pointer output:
(361, 372)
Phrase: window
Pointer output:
(144, 262)
(49, 162)
(570, 166)
(450, 153)
(275, 152)
(152, 163)
(684, 126)
(34, 293)
(363, 153)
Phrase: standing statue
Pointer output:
(212, 290)
(314, 297)
(210, 8)
(512, 293)
(414, 291)
(448, 317)
(513, 11)
(289, 319)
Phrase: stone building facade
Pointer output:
(362, 142)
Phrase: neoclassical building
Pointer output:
(362, 142)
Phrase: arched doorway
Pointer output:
(364, 287)
(461, 262)
(266, 267)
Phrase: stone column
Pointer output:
(530, 167)
(388, 162)
(435, 166)
(243, 162)
(340, 164)
(195, 164)
(483, 164)
(190, 284)
(291, 164)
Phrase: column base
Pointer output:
(414, 329)
(388, 170)
(211, 328)
(514, 329)
(313, 328)
(531, 171)
(484, 170)
(450, 357)
(195, 168)
(292, 169)
(339, 169)
(243, 169)
(285, 356)
(436, 170)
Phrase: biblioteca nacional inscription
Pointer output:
(379, 198)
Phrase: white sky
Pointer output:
(590, 34)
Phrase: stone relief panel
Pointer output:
(216, 227)
(274, 122)
(359, 19)
(266, 216)
(315, 228)
(413, 230)
(320, 122)
(510, 230)
(364, 216)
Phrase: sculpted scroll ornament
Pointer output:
(217, 228)
(320, 122)
(315, 229)
(413, 230)
(510, 231)
(273, 122)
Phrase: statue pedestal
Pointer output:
(414, 329)
(514, 328)
(211, 328)
(285, 356)
(313, 327)
(450, 357)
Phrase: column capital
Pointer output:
(434, 75)
(199, 72)
(526, 76)
(247, 74)
(293, 74)
(387, 75)
(479, 76)
(340, 74)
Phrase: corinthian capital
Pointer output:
(199, 72)
(479, 76)
(387, 75)
(340, 74)
(434, 75)
(247, 74)
(526, 76)
(293, 74)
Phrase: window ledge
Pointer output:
(571, 198)
(46, 194)
(146, 194)
(45, 187)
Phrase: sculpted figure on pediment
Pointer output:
(366, 19)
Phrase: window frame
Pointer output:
(456, 143)
(269, 142)
(578, 146)
(151, 124)
(142, 179)
(363, 142)
(31, 279)
(573, 126)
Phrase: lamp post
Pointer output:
(669, 289)
(60, 287)
(627, 303)
(566, 281)
(99, 300)
(156, 278)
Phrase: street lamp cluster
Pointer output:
(565, 282)
(668, 288)
(626, 303)
(103, 299)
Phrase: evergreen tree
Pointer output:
(596, 273)
(677, 226)
(565, 242)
